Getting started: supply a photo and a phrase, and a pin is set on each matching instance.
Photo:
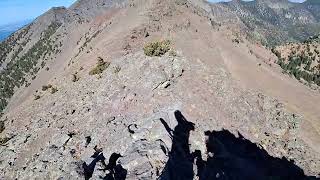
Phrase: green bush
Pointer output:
(36, 97)
(54, 90)
(157, 48)
(74, 78)
(101, 66)
(46, 87)
(4, 140)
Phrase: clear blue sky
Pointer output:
(13, 11)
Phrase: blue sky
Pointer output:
(15, 11)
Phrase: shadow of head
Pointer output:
(182, 121)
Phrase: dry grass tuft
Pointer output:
(157, 48)
(101, 66)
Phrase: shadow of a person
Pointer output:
(180, 163)
(116, 171)
(228, 157)
(89, 169)
(231, 157)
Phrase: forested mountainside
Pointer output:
(301, 60)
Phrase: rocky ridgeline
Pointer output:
(116, 107)
(131, 112)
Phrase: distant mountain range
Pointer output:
(272, 22)
(8, 29)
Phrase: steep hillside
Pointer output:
(27, 51)
(272, 22)
(151, 89)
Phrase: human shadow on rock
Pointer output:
(115, 171)
(180, 163)
(231, 157)
(228, 157)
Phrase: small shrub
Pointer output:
(117, 69)
(54, 90)
(75, 78)
(36, 97)
(157, 48)
(101, 66)
(46, 87)
(4, 140)
(236, 40)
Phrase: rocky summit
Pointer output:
(162, 89)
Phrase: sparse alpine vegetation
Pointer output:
(157, 48)
(4, 140)
(26, 65)
(46, 87)
(302, 60)
(100, 67)
(74, 78)
(53, 90)
(36, 97)
(49, 88)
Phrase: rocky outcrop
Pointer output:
(121, 112)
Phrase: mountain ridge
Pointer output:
(8, 29)
(275, 23)
(97, 80)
